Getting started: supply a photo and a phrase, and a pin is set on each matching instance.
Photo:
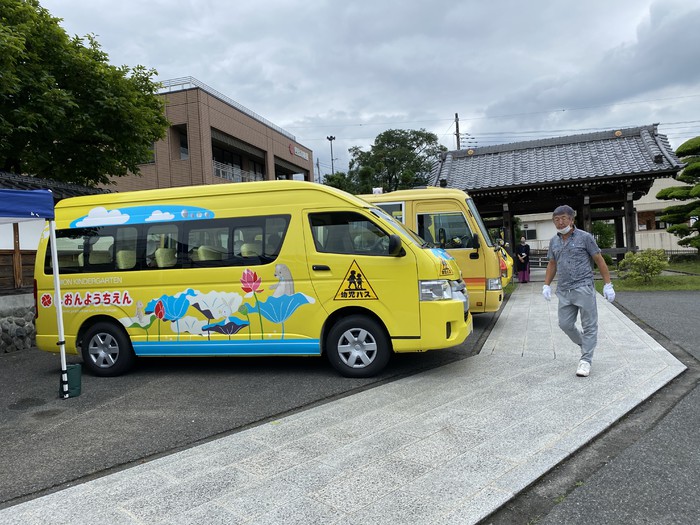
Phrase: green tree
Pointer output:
(604, 233)
(680, 216)
(397, 159)
(341, 181)
(65, 112)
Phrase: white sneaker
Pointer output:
(584, 368)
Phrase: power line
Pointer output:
(561, 110)
(497, 137)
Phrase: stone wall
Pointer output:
(17, 331)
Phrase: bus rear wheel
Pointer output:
(107, 350)
(358, 346)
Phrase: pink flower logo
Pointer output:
(251, 282)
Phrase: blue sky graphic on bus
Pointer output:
(101, 216)
(442, 253)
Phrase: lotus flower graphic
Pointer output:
(279, 309)
(250, 282)
(229, 326)
(170, 307)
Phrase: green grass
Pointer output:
(660, 283)
(657, 284)
(686, 266)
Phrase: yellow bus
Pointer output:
(448, 218)
(246, 269)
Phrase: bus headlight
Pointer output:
(459, 292)
(439, 290)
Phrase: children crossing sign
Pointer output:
(355, 286)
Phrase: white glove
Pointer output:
(547, 292)
(609, 292)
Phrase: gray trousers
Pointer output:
(572, 303)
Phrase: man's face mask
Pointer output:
(562, 223)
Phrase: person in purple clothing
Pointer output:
(570, 253)
(522, 261)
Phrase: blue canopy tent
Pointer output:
(30, 205)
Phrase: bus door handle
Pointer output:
(321, 267)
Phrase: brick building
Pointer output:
(212, 140)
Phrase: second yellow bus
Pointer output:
(448, 218)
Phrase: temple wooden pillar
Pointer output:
(630, 226)
(508, 227)
(586, 220)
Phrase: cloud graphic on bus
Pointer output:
(101, 217)
(158, 216)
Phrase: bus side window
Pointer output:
(347, 233)
(252, 241)
(275, 229)
(161, 246)
(457, 231)
(100, 245)
(125, 248)
(425, 223)
(208, 243)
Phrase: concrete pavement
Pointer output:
(447, 446)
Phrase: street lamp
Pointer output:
(331, 138)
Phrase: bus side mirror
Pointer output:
(442, 237)
(475, 242)
(395, 247)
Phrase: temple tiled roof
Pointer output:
(591, 156)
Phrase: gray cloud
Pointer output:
(355, 69)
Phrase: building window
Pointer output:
(530, 235)
(151, 155)
(227, 157)
(179, 144)
(184, 148)
(258, 168)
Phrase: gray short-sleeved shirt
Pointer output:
(573, 258)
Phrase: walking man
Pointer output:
(570, 253)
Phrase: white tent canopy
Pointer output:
(31, 205)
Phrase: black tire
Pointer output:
(107, 350)
(358, 346)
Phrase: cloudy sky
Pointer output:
(513, 70)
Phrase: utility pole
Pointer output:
(457, 129)
(318, 170)
(331, 138)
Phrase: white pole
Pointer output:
(59, 309)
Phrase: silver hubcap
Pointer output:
(357, 348)
(103, 350)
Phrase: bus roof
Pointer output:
(188, 192)
(423, 193)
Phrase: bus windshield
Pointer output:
(398, 225)
(477, 218)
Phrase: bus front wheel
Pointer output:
(106, 350)
(358, 346)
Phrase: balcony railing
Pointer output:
(234, 173)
